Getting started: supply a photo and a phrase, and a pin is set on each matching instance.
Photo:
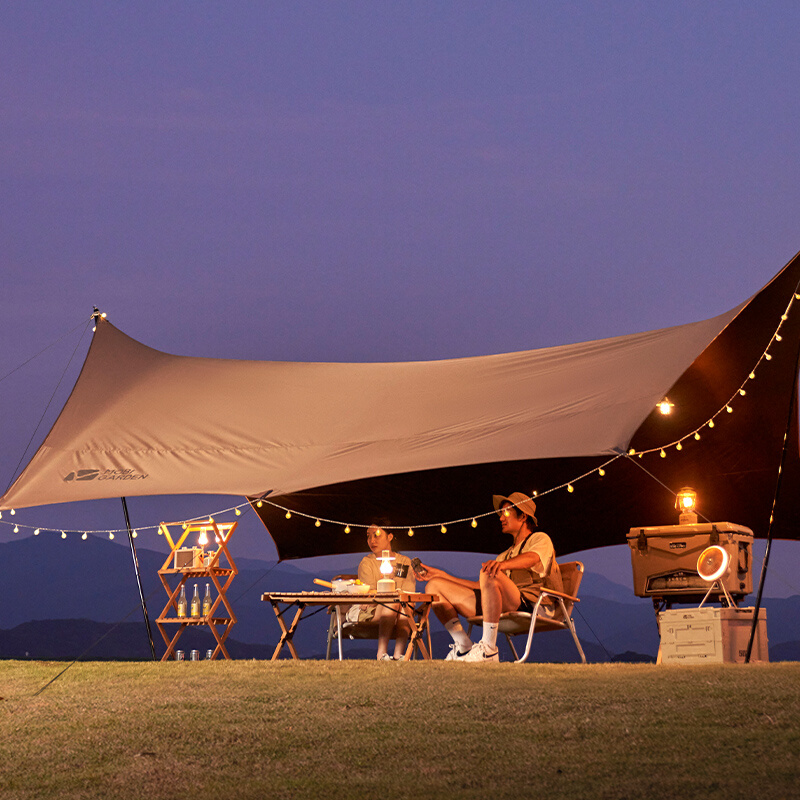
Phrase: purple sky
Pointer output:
(360, 181)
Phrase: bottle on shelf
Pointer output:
(207, 601)
(182, 602)
(196, 602)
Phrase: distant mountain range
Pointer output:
(68, 598)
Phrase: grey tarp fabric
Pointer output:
(142, 422)
(431, 442)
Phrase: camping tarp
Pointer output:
(426, 443)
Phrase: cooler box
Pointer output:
(711, 636)
(664, 560)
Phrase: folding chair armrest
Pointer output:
(562, 595)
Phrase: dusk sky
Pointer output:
(374, 181)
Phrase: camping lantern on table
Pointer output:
(386, 584)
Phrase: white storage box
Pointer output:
(711, 636)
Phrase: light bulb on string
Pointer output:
(13, 512)
(768, 356)
(679, 446)
(317, 524)
(410, 531)
(601, 472)
(238, 512)
(135, 533)
(784, 317)
(288, 515)
(631, 452)
(85, 536)
(742, 392)
(697, 436)
(259, 504)
(16, 529)
(63, 534)
(474, 523)
(443, 529)
(347, 529)
(36, 532)
(729, 409)
(570, 488)
(663, 454)
(752, 376)
(778, 337)
(711, 423)
(110, 535)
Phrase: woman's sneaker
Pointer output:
(481, 653)
(455, 654)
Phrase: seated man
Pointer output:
(390, 623)
(510, 582)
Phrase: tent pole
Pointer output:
(138, 577)
(765, 562)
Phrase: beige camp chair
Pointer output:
(355, 630)
(514, 623)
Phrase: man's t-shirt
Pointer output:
(530, 581)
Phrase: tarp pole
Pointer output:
(138, 577)
(763, 577)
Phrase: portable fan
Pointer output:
(712, 566)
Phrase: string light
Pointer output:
(663, 454)
(474, 523)
(601, 472)
(443, 529)
(711, 423)
(85, 535)
(110, 534)
(347, 529)
(288, 515)
(570, 488)
(410, 531)
(679, 446)
(16, 529)
(63, 535)
(317, 523)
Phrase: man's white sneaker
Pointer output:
(481, 653)
(387, 657)
(455, 654)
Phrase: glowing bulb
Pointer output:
(784, 317)
(665, 407)
(410, 531)
(259, 504)
(36, 532)
(697, 436)
(752, 376)
(347, 529)
(317, 524)
(797, 297)
(16, 529)
(570, 488)
(238, 512)
(110, 535)
(711, 423)
(663, 454)
(85, 536)
(729, 409)
(134, 534)
(601, 472)
(63, 535)
(202, 539)
(288, 515)
(631, 452)
(13, 512)
(443, 529)
(768, 356)
(679, 446)
(474, 523)
(742, 392)
(534, 493)
(778, 337)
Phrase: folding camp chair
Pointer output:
(356, 630)
(514, 623)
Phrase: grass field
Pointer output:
(252, 729)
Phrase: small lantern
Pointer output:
(686, 502)
(386, 584)
(202, 539)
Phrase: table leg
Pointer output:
(339, 629)
(417, 629)
(288, 633)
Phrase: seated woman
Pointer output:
(390, 623)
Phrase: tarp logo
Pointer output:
(105, 475)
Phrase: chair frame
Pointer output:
(514, 623)
(355, 630)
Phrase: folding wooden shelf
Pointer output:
(220, 567)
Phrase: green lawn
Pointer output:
(252, 729)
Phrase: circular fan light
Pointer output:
(713, 563)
